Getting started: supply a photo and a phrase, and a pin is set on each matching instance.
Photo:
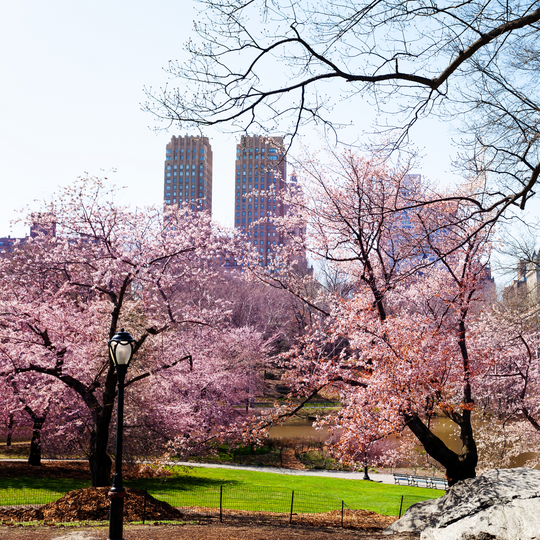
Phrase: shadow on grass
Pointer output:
(180, 483)
(57, 485)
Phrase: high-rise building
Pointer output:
(260, 170)
(188, 172)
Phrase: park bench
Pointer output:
(439, 483)
(420, 481)
(398, 478)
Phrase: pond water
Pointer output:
(442, 427)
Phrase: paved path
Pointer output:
(383, 478)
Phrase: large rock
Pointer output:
(501, 504)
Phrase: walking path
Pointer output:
(382, 478)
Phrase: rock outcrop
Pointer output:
(503, 504)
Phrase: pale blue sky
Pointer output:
(73, 73)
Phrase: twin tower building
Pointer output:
(260, 166)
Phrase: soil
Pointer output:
(92, 504)
(197, 532)
(77, 469)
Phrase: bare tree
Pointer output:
(278, 65)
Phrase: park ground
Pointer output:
(196, 532)
(188, 530)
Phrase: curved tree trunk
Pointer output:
(458, 466)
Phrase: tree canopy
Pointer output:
(279, 65)
(95, 267)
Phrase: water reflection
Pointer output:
(446, 430)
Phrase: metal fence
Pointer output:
(231, 503)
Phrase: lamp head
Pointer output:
(121, 348)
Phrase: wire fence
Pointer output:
(231, 503)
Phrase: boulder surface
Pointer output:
(503, 504)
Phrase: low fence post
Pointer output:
(401, 506)
(342, 508)
(292, 505)
(144, 506)
(221, 504)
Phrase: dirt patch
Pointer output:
(197, 532)
(62, 469)
(79, 470)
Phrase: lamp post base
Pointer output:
(366, 475)
(116, 513)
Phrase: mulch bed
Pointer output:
(63, 469)
(92, 504)
(79, 470)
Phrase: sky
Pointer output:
(74, 74)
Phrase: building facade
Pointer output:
(260, 170)
(188, 172)
(525, 289)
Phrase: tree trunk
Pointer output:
(10, 426)
(99, 459)
(458, 466)
(35, 444)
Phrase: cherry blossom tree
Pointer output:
(64, 295)
(508, 334)
(396, 345)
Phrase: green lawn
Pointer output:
(14, 491)
(246, 490)
(270, 491)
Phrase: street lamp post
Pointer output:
(120, 352)
(366, 475)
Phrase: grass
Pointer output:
(247, 490)
(21, 490)
(258, 488)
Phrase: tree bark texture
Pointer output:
(458, 466)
